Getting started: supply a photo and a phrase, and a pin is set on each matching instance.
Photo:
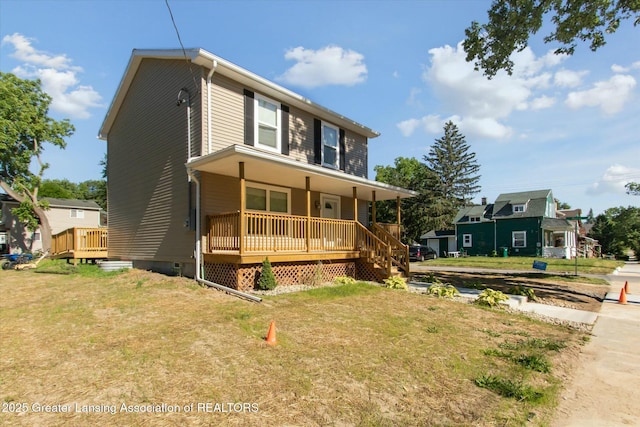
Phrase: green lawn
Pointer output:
(347, 355)
(585, 265)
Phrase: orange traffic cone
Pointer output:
(623, 297)
(626, 287)
(271, 335)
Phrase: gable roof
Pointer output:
(210, 61)
(535, 201)
(485, 212)
(72, 203)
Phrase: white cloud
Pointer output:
(542, 102)
(58, 76)
(568, 78)
(330, 65)
(609, 95)
(622, 69)
(482, 104)
(614, 179)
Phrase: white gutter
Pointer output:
(198, 251)
(213, 70)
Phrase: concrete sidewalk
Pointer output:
(605, 390)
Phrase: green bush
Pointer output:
(396, 282)
(524, 291)
(443, 291)
(267, 280)
(344, 280)
(491, 298)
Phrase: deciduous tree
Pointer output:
(25, 128)
(512, 22)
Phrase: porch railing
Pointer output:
(268, 232)
(399, 251)
(86, 240)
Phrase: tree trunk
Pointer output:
(45, 228)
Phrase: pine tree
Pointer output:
(267, 279)
(456, 171)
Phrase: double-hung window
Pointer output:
(467, 240)
(267, 123)
(519, 239)
(330, 146)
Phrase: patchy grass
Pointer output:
(357, 354)
(554, 265)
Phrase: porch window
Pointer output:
(268, 198)
(330, 140)
(519, 239)
(267, 124)
(467, 240)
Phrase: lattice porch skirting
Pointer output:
(244, 277)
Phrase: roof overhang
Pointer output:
(271, 168)
(206, 59)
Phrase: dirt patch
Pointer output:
(579, 296)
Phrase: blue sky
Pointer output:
(566, 123)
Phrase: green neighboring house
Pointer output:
(517, 224)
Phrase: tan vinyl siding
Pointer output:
(60, 219)
(147, 149)
(227, 105)
(356, 148)
(220, 194)
(301, 135)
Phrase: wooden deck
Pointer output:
(80, 243)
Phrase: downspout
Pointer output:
(209, 76)
(198, 252)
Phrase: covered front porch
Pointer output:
(559, 239)
(301, 240)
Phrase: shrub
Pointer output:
(396, 282)
(344, 280)
(491, 298)
(267, 280)
(443, 291)
(524, 291)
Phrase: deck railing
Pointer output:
(399, 251)
(84, 240)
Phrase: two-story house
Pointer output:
(212, 168)
(523, 223)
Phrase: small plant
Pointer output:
(535, 362)
(396, 282)
(443, 291)
(344, 280)
(432, 329)
(508, 388)
(524, 291)
(490, 332)
(267, 280)
(491, 298)
(316, 278)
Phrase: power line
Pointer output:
(184, 52)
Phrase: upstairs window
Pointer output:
(267, 123)
(519, 208)
(77, 213)
(330, 147)
(474, 219)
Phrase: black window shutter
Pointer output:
(284, 129)
(317, 141)
(343, 150)
(249, 120)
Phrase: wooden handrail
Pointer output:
(399, 251)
